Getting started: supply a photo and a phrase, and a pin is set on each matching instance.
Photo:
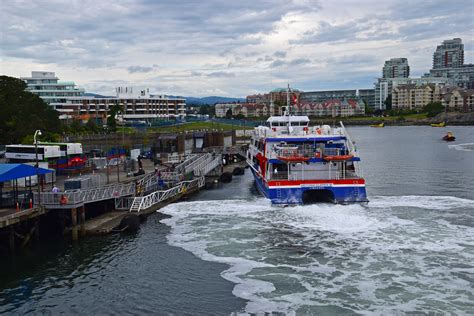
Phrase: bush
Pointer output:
(433, 108)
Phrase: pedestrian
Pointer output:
(55, 189)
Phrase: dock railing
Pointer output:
(80, 197)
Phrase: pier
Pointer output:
(103, 209)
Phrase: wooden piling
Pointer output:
(82, 215)
(11, 239)
(74, 223)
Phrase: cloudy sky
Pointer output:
(227, 48)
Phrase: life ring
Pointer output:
(63, 200)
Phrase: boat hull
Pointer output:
(292, 193)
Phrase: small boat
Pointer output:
(442, 124)
(378, 125)
(449, 137)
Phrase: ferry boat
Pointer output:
(294, 163)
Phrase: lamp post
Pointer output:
(37, 133)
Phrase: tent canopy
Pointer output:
(11, 171)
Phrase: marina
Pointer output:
(253, 158)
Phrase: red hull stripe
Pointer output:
(345, 181)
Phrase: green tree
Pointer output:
(22, 112)
(388, 102)
(91, 126)
(433, 108)
(204, 109)
(228, 114)
(111, 122)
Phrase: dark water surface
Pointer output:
(410, 250)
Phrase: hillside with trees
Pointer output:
(22, 112)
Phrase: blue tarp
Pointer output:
(10, 171)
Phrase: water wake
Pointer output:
(389, 256)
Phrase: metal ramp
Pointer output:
(144, 202)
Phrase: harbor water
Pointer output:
(228, 250)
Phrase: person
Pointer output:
(55, 189)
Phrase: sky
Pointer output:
(226, 48)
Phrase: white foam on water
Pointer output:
(330, 249)
(463, 147)
(342, 219)
(421, 201)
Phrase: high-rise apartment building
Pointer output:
(450, 54)
(396, 68)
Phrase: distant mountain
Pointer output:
(189, 100)
(211, 100)
(95, 95)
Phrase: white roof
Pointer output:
(286, 118)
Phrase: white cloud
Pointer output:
(231, 48)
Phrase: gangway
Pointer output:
(144, 202)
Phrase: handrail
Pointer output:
(143, 202)
(86, 196)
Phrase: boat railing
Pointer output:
(341, 174)
(297, 152)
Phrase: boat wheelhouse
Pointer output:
(294, 163)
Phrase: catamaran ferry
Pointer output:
(294, 163)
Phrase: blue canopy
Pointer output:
(10, 171)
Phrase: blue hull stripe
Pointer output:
(342, 194)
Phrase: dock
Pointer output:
(100, 210)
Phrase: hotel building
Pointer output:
(71, 103)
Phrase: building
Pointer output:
(384, 86)
(222, 108)
(448, 62)
(462, 76)
(368, 96)
(71, 103)
(331, 107)
(48, 87)
(414, 96)
(458, 99)
(279, 95)
(396, 68)
(258, 98)
(137, 104)
(450, 54)
(321, 96)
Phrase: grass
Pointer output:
(126, 130)
(196, 126)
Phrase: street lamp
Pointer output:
(37, 133)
